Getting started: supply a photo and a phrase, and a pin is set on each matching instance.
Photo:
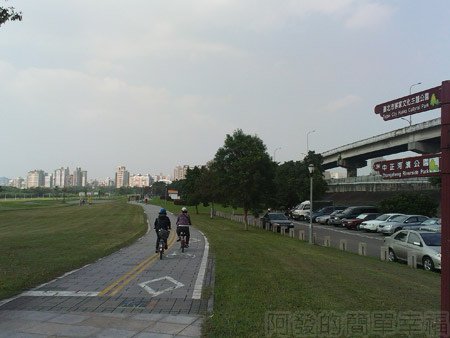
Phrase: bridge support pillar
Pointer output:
(423, 147)
(352, 165)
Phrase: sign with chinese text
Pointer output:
(411, 104)
(419, 166)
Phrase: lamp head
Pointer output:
(311, 168)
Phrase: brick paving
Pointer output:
(130, 293)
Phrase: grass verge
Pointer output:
(258, 272)
(37, 245)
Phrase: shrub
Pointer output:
(179, 202)
(410, 203)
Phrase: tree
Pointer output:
(288, 182)
(192, 188)
(159, 188)
(9, 13)
(319, 184)
(245, 172)
(293, 181)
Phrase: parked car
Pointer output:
(401, 222)
(300, 210)
(276, 219)
(323, 211)
(372, 225)
(353, 223)
(431, 224)
(426, 245)
(351, 212)
(325, 219)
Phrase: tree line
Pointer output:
(243, 174)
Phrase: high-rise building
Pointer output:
(18, 182)
(122, 177)
(77, 178)
(179, 173)
(4, 181)
(61, 177)
(48, 180)
(141, 181)
(35, 179)
(84, 178)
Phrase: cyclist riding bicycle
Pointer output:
(183, 222)
(162, 222)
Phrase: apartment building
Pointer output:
(141, 181)
(179, 173)
(122, 177)
(61, 177)
(35, 179)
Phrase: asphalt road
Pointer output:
(373, 241)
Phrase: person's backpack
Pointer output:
(184, 219)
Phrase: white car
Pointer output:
(372, 225)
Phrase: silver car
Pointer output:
(372, 225)
(399, 222)
(425, 245)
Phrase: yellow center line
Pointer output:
(120, 283)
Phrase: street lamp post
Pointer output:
(307, 140)
(311, 171)
(410, 91)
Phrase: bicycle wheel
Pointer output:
(161, 249)
(183, 244)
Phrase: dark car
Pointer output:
(324, 211)
(276, 219)
(352, 212)
(353, 223)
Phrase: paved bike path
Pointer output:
(131, 293)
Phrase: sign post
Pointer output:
(445, 204)
(437, 97)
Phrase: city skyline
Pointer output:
(166, 85)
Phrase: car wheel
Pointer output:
(428, 264)
(392, 257)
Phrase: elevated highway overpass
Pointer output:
(421, 138)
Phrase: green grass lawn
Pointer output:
(259, 272)
(41, 243)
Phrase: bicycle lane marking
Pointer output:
(197, 294)
(129, 276)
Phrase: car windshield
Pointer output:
(431, 221)
(362, 216)
(431, 239)
(399, 218)
(383, 217)
(324, 209)
(278, 217)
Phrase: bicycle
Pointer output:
(163, 235)
(183, 238)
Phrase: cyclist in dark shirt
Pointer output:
(162, 222)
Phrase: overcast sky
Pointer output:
(155, 84)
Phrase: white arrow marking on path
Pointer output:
(156, 293)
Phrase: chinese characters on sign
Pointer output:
(419, 166)
(411, 104)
